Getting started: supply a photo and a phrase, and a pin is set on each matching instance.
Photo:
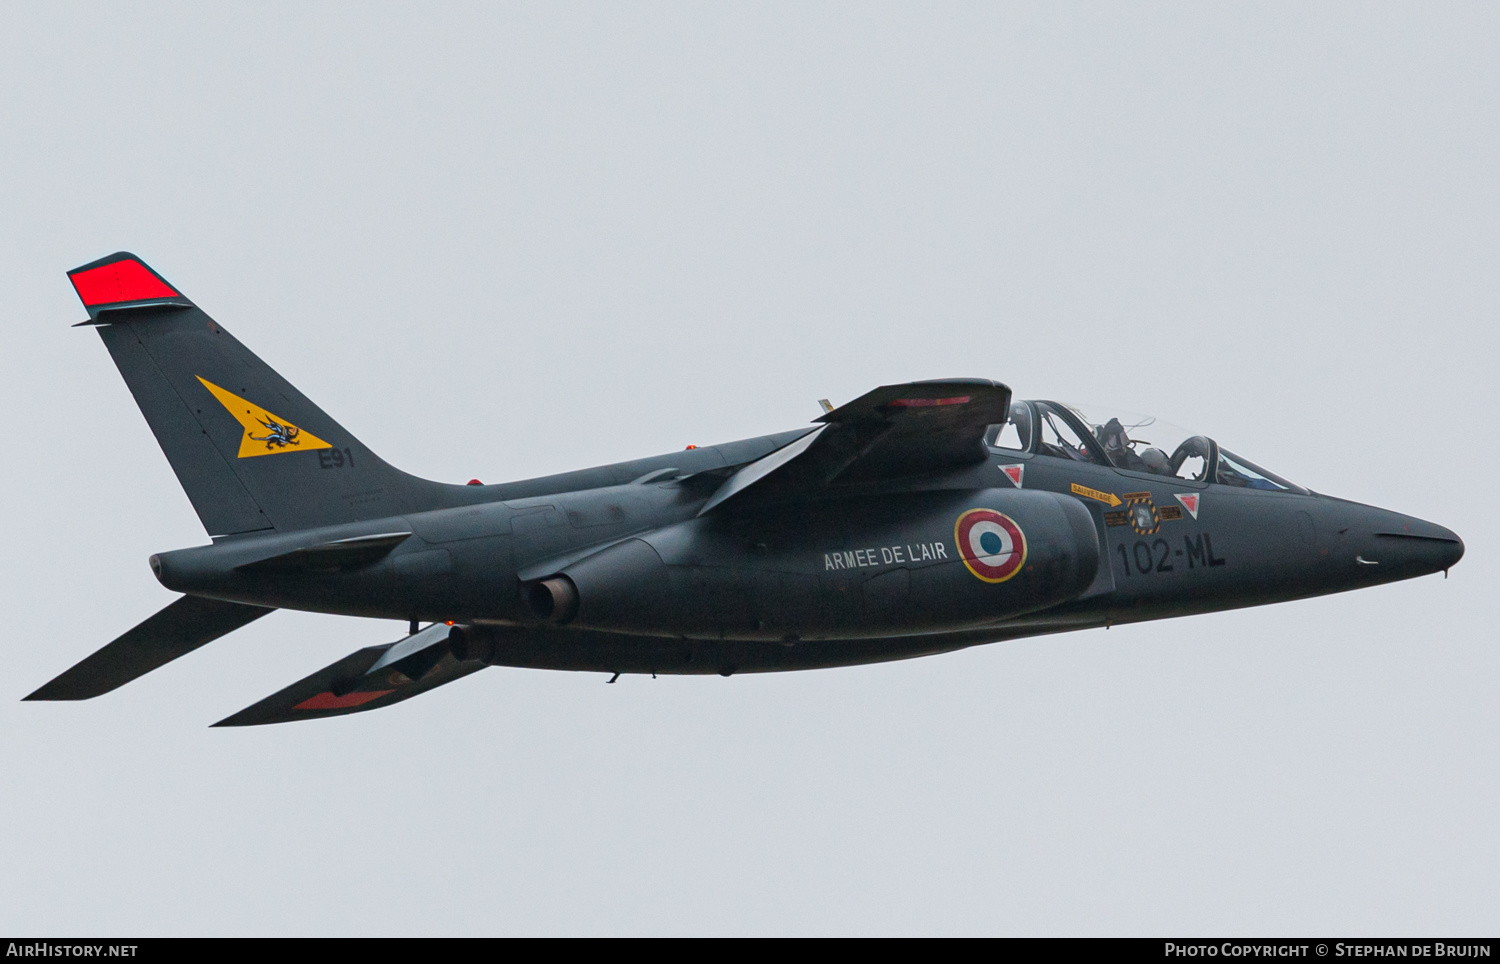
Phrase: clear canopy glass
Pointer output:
(1145, 443)
(1130, 441)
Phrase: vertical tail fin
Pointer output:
(250, 450)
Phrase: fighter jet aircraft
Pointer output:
(916, 519)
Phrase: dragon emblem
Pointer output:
(280, 435)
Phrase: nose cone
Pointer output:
(1425, 547)
(1392, 546)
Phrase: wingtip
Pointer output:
(58, 691)
(246, 718)
(242, 717)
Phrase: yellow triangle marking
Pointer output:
(265, 434)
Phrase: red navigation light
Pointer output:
(925, 402)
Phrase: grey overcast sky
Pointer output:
(503, 240)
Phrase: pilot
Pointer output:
(1117, 446)
(1156, 461)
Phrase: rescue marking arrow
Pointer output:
(1108, 498)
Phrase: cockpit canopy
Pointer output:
(1133, 443)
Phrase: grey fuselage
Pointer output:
(853, 574)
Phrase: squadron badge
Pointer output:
(265, 434)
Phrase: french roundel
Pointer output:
(990, 543)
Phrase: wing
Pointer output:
(179, 629)
(892, 432)
(367, 679)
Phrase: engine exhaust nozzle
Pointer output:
(466, 644)
(553, 600)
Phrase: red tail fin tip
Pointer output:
(124, 280)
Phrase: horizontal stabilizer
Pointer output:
(179, 629)
(339, 556)
(368, 679)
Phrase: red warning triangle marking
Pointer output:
(1189, 502)
(1014, 473)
